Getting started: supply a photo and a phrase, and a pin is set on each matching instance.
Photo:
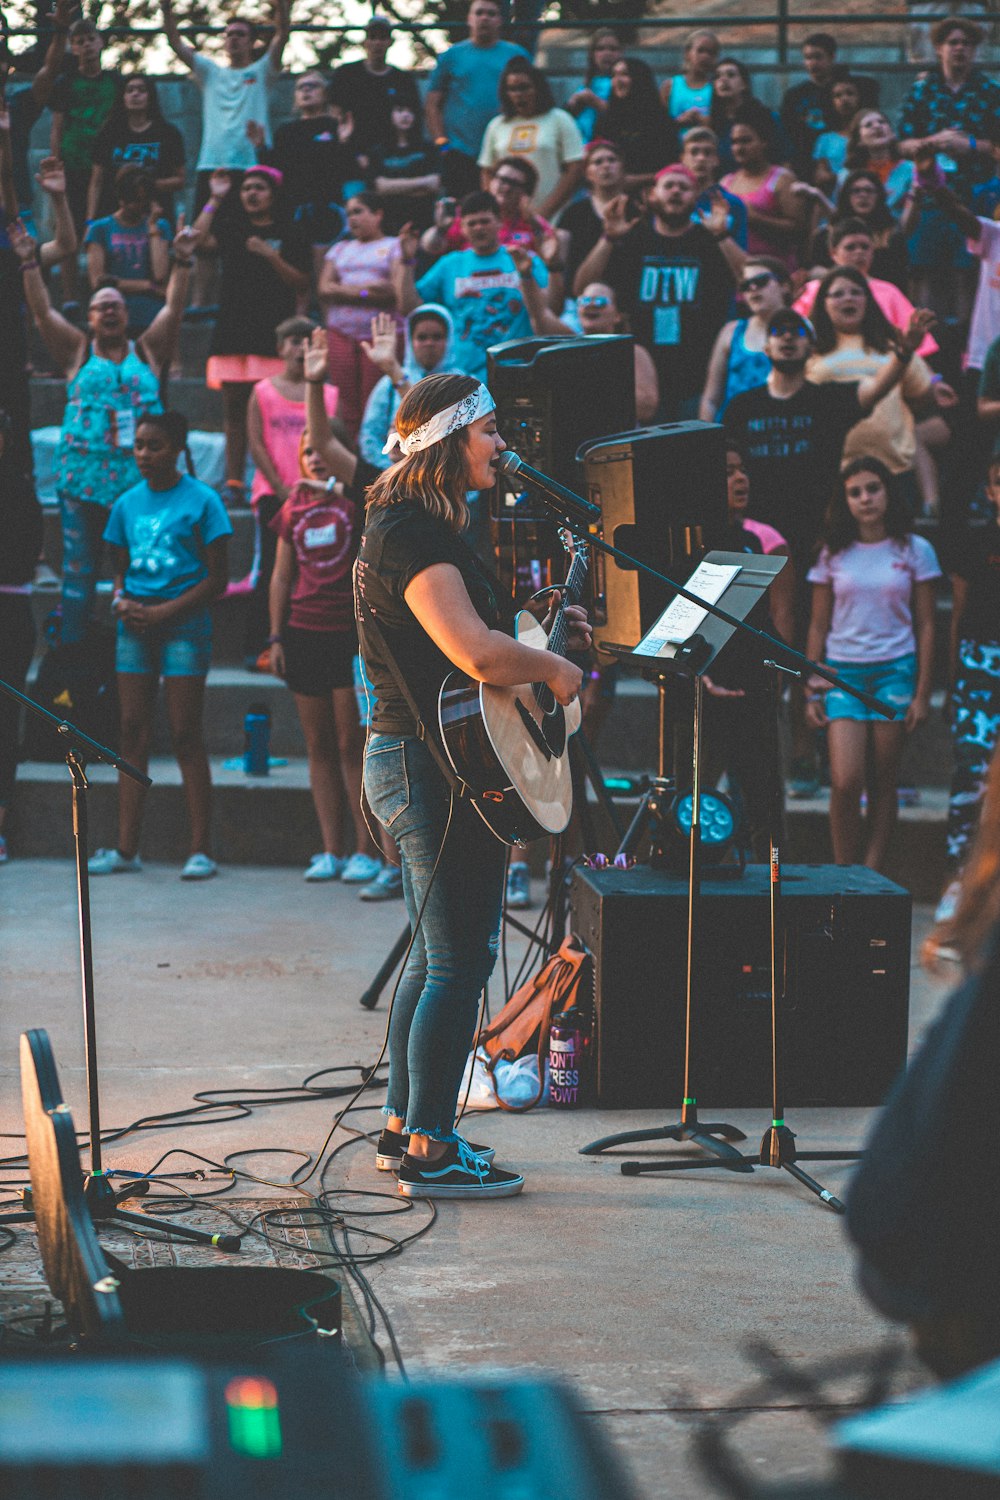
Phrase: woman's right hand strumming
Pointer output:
(564, 679)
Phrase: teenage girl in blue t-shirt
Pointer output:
(168, 544)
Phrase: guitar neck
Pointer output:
(572, 592)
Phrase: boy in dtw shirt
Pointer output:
(674, 275)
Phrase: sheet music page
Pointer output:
(681, 618)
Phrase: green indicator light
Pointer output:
(254, 1421)
(255, 1432)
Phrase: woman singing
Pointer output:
(437, 607)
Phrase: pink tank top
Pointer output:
(765, 200)
(283, 422)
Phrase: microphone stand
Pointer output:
(101, 1198)
(777, 1146)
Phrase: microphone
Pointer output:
(565, 501)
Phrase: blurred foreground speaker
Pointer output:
(289, 1424)
(848, 976)
(662, 494)
(552, 395)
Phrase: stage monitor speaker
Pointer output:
(848, 974)
(552, 396)
(662, 495)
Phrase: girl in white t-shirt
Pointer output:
(873, 624)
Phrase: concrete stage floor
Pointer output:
(641, 1291)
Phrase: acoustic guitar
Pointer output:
(510, 745)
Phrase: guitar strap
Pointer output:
(458, 786)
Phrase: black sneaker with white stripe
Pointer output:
(393, 1145)
(457, 1173)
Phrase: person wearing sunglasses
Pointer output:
(596, 311)
(738, 361)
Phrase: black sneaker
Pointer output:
(392, 1146)
(455, 1174)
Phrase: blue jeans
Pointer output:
(434, 1015)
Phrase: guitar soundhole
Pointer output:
(544, 697)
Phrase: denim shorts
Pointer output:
(183, 648)
(895, 682)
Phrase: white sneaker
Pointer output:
(325, 867)
(360, 869)
(199, 867)
(110, 862)
(518, 887)
(387, 885)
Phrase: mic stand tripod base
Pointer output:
(688, 1128)
(777, 1149)
(102, 1200)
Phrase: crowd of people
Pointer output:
(822, 279)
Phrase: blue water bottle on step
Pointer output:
(256, 740)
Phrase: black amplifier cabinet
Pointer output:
(848, 975)
(552, 395)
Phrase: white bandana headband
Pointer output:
(462, 414)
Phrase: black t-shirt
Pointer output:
(677, 291)
(314, 161)
(253, 299)
(584, 227)
(793, 451)
(404, 161)
(370, 97)
(977, 560)
(160, 149)
(399, 541)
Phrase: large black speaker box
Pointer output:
(848, 974)
(662, 496)
(553, 395)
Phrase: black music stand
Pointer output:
(101, 1198)
(682, 643)
(660, 657)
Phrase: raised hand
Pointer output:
(444, 213)
(716, 218)
(409, 241)
(316, 355)
(521, 258)
(921, 321)
(617, 223)
(345, 126)
(219, 184)
(51, 175)
(255, 134)
(23, 246)
(382, 349)
(185, 239)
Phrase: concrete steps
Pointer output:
(270, 821)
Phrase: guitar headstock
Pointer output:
(571, 542)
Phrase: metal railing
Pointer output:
(781, 20)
